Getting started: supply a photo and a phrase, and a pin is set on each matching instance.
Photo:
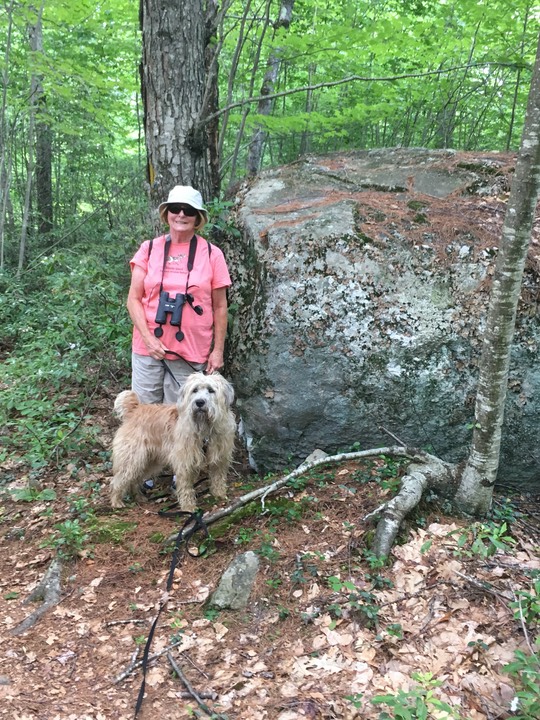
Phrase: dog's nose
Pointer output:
(200, 403)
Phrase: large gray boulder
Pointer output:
(361, 283)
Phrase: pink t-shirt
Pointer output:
(209, 273)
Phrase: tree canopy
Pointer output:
(356, 74)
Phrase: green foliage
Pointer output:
(68, 539)
(395, 630)
(355, 700)
(91, 106)
(62, 351)
(360, 602)
(485, 539)
(268, 551)
(420, 703)
(211, 614)
(33, 495)
(525, 669)
(468, 108)
(219, 218)
(110, 530)
(527, 605)
(305, 570)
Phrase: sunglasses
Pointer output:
(176, 208)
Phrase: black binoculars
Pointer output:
(173, 306)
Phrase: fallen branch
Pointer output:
(49, 591)
(263, 492)
(133, 621)
(196, 696)
(137, 664)
(483, 585)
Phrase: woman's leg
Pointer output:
(147, 377)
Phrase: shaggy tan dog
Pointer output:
(196, 433)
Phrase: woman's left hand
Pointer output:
(215, 362)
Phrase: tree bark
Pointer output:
(476, 486)
(173, 88)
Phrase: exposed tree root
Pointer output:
(430, 473)
(49, 591)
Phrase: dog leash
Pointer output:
(193, 524)
(170, 372)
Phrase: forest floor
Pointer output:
(326, 630)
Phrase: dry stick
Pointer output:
(483, 585)
(126, 622)
(197, 668)
(394, 437)
(523, 626)
(190, 690)
(334, 83)
(133, 666)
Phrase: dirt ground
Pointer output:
(325, 630)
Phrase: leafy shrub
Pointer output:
(68, 334)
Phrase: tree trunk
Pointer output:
(5, 156)
(241, 128)
(33, 31)
(43, 167)
(476, 486)
(173, 87)
(211, 103)
(265, 106)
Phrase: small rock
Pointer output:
(236, 583)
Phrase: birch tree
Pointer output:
(475, 483)
(476, 487)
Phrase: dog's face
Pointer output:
(202, 396)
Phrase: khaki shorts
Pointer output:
(153, 384)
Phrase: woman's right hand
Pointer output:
(156, 348)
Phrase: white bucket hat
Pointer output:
(183, 194)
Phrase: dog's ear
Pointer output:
(228, 391)
(181, 395)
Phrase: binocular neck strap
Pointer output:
(165, 256)
(190, 262)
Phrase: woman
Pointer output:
(177, 301)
